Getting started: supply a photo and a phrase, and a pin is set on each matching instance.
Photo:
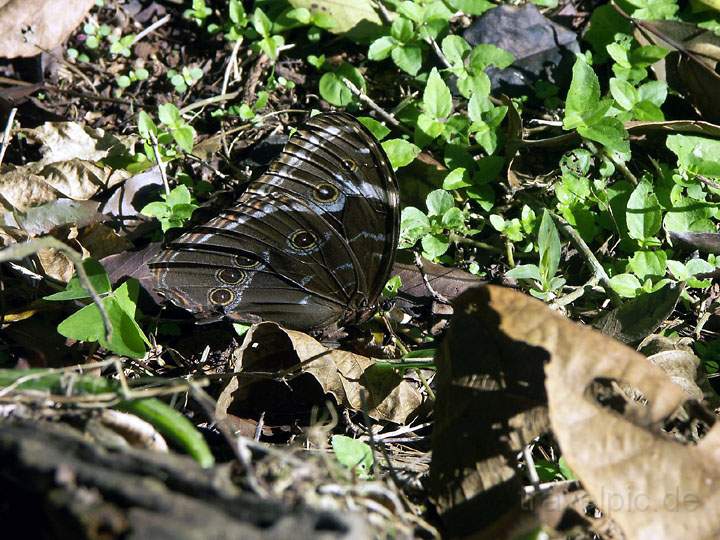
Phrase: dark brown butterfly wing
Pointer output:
(309, 244)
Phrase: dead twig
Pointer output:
(6, 134)
(154, 26)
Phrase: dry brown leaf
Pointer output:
(55, 264)
(271, 350)
(69, 167)
(677, 359)
(27, 27)
(653, 486)
(490, 403)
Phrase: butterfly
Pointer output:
(310, 244)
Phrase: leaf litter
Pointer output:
(513, 377)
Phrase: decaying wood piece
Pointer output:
(56, 484)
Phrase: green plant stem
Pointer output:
(627, 173)
(160, 163)
(509, 253)
(19, 251)
(459, 239)
(579, 244)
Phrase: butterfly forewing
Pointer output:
(309, 244)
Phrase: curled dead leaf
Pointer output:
(355, 381)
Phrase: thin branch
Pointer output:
(154, 26)
(374, 106)
(436, 295)
(574, 295)
(579, 244)
(438, 51)
(209, 101)
(6, 134)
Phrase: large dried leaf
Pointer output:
(44, 218)
(27, 27)
(70, 167)
(490, 403)
(353, 380)
(652, 485)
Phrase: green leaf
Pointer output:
(678, 270)
(644, 215)
(653, 91)
(434, 245)
(453, 219)
(455, 48)
(400, 152)
(333, 90)
(237, 12)
(97, 277)
(184, 137)
(484, 195)
(262, 24)
(86, 325)
(414, 224)
(412, 11)
(624, 93)
(485, 55)
(456, 179)
(647, 55)
(605, 22)
(179, 195)
(428, 125)
(169, 115)
(549, 247)
(408, 58)
(471, 7)
(378, 130)
(402, 29)
(380, 48)
(583, 95)
(648, 264)
(626, 285)
(438, 202)
(611, 133)
(524, 271)
(353, 454)
(699, 266)
(697, 155)
(478, 105)
(391, 288)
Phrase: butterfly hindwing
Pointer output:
(309, 244)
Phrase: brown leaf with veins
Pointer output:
(652, 485)
(27, 27)
(273, 351)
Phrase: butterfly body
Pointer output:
(309, 244)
